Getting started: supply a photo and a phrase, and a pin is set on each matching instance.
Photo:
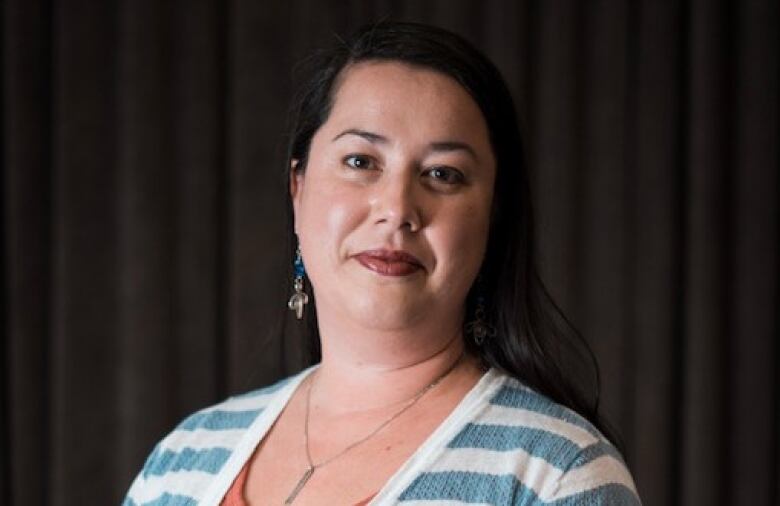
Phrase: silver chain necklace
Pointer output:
(313, 467)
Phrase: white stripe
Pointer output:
(202, 439)
(250, 439)
(519, 417)
(189, 483)
(475, 400)
(601, 471)
(548, 482)
(512, 382)
(533, 472)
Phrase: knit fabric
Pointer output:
(503, 444)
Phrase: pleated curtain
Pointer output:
(143, 226)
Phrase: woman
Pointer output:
(441, 375)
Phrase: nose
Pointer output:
(396, 203)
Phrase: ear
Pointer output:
(296, 189)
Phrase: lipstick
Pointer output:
(389, 263)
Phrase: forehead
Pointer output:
(414, 100)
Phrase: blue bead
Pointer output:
(298, 266)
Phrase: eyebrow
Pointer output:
(369, 136)
(439, 147)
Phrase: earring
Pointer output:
(479, 328)
(299, 298)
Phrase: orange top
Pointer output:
(235, 494)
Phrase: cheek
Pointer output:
(327, 216)
(462, 239)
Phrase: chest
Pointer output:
(339, 477)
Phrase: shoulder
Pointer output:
(183, 463)
(523, 448)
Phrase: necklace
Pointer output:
(313, 467)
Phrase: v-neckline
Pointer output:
(427, 452)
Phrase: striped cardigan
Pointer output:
(503, 444)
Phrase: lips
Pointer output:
(389, 263)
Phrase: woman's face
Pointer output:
(392, 211)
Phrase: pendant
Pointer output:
(298, 299)
(296, 303)
(299, 486)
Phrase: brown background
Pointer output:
(142, 233)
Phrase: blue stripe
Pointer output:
(558, 451)
(505, 489)
(594, 451)
(172, 500)
(209, 460)
(150, 460)
(220, 420)
(532, 401)
(468, 487)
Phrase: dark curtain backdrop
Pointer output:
(142, 221)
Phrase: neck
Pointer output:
(369, 370)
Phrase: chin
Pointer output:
(382, 315)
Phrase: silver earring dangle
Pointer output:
(299, 298)
(479, 328)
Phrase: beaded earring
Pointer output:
(300, 298)
(479, 328)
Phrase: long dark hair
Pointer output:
(534, 342)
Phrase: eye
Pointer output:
(446, 175)
(358, 161)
